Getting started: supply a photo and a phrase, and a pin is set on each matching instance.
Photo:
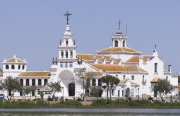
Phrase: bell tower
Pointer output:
(67, 48)
(119, 40)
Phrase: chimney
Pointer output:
(169, 68)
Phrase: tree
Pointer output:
(83, 78)
(29, 91)
(96, 92)
(106, 80)
(110, 81)
(178, 79)
(163, 87)
(113, 81)
(12, 85)
(56, 87)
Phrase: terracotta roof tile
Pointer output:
(109, 67)
(166, 72)
(45, 89)
(94, 74)
(122, 82)
(155, 80)
(119, 49)
(136, 59)
(1, 74)
(34, 74)
(91, 56)
(15, 60)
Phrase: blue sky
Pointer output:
(32, 29)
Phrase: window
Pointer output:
(71, 54)
(70, 64)
(33, 82)
(33, 93)
(166, 78)
(116, 75)
(19, 66)
(21, 82)
(155, 67)
(45, 81)
(124, 77)
(99, 82)
(66, 54)
(61, 64)
(20, 93)
(66, 43)
(112, 91)
(12, 66)
(62, 54)
(7, 66)
(39, 82)
(132, 77)
(23, 67)
(123, 43)
(38, 91)
(27, 82)
(94, 82)
(116, 43)
(66, 64)
(143, 79)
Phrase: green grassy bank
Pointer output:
(102, 103)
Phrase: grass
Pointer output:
(101, 103)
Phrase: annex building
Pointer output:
(137, 73)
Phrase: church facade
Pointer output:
(137, 73)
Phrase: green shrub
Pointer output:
(50, 99)
(71, 103)
(79, 99)
(129, 98)
(150, 98)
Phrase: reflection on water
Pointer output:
(88, 112)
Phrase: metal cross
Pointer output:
(119, 24)
(67, 15)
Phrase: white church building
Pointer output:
(137, 73)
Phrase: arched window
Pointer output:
(94, 82)
(66, 54)
(33, 82)
(155, 67)
(39, 82)
(116, 43)
(19, 66)
(7, 66)
(12, 66)
(66, 43)
(27, 82)
(23, 67)
(62, 54)
(21, 82)
(45, 81)
(71, 54)
(123, 43)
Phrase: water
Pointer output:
(88, 112)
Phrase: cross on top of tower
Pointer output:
(119, 24)
(67, 15)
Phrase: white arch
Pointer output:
(66, 75)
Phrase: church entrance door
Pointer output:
(71, 89)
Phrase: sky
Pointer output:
(32, 29)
